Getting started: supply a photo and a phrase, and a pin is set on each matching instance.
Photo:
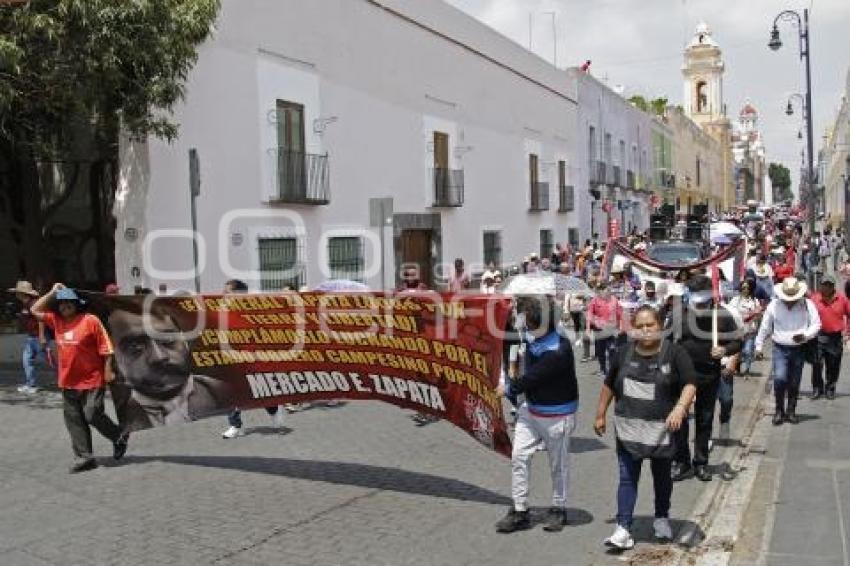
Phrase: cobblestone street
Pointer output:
(354, 484)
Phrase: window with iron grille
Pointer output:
(547, 243)
(279, 265)
(346, 258)
(572, 236)
(493, 248)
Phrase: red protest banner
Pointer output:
(183, 358)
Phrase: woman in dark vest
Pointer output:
(653, 384)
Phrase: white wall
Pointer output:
(386, 79)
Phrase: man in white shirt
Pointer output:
(790, 320)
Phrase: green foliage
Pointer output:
(103, 62)
(639, 102)
(658, 105)
(780, 178)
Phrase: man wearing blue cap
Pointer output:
(85, 367)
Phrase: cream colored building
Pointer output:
(698, 165)
(703, 70)
(834, 171)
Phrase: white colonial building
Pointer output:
(834, 165)
(347, 138)
(618, 153)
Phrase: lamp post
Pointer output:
(775, 43)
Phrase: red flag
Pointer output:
(715, 282)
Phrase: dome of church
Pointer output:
(702, 36)
(749, 109)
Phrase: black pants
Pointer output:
(828, 353)
(703, 421)
(84, 408)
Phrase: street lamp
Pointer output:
(805, 48)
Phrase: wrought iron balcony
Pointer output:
(539, 197)
(613, 176)
(597, 171)
(567, 200)
(630, 179)
(302, 178)
(448, 187)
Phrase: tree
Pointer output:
(658, 106)
(73, 74)
(780, 179)
(639, 102)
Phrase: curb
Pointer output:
(710, 536)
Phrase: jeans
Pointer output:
(829, 351)
(83, 408)
(788, 364)
(707, 387)
(604, 347)
(627, 490)
(747, 350)
(234, 417)
(31, 352)
(725, 392)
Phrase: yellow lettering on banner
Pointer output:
(460, 377)
(457, 354)
(480, 362)
(393, 361)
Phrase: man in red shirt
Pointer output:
(834, 311)
(85, 367)
(783, 270)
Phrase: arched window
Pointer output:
(702, 96)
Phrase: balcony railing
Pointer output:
(613, 177)
(448, 187)
(630, 179)
(597, 171)
(567, 200)
(539, 196)
(302, 178)
(618, 177)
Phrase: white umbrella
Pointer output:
(725, 229)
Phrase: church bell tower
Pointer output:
(703, 73)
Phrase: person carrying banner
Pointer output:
(709, 333)
(652, 383)
(834, 312)
(546, 416)
(790, 320)
(85, 367)
(234, 418)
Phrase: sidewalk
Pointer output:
(800, 507)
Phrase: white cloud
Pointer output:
(639, 43)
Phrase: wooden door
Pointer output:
(416, 250)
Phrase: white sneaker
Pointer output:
(232, 432)
(293, 407)
(332, 403)
(662, 529)
(27, 389)
(277, 418)
(621, 539)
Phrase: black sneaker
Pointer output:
(702, 473)
(681, 472)
(817, 394)
(514, 521)
(83, 466)
(556, 519)
(830, 392)
(119, 447)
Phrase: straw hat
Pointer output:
(24, 287)
(791, 289)
(761, 270)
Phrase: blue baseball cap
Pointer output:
(68, 295)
